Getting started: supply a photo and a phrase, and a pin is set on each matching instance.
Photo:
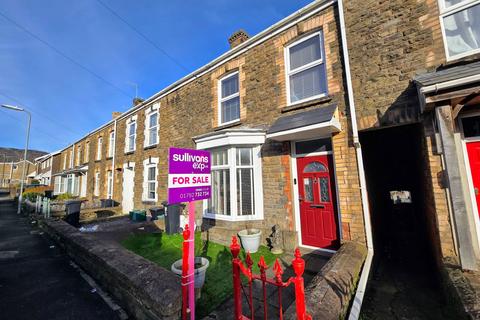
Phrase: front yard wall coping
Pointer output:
(328, 295)
(144, 289)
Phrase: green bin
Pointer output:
(138, 215)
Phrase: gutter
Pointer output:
(450, 84)
(362, 284)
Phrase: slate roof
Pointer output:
(303, 119)
(448, 74)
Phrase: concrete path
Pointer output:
(37, 280)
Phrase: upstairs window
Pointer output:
(305, 64)
(78, 161)
(99, 148)
(151, 126)
(229, 99)
(131, 136)
(71, 159)
(87, 151)
(111, 144)
(460, 20)
(109, 184)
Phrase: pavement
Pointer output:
(38, 281)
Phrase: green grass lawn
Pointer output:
(165, 249)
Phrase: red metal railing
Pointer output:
(239, 268)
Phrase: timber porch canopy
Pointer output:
(306, 125)
(458, 86)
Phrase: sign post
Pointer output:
(188, 181)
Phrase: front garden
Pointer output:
(164, 250)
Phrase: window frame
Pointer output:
(257, 184)
(96, 184)
(289, 72)
(148, 113)
(131, 148)
(448, 11)
(99, 148)
(86, 156)
(109, 184)
(232, 96)
(147, 164)
(111, 144)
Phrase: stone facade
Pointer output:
(191, 110)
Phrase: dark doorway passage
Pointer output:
(404, 283)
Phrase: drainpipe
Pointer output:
(362, 284)
(113, 155)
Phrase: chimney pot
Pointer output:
(116, 114)
(137, 101)
(237, 38)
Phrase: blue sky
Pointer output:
(67, 101)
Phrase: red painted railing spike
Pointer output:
(262, 264)
(235, 247)
(186, 232)
(277, 268)
(248, 260)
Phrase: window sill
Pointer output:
(150, 146)
(306, 104)
(108, 158)
(97, 160)
(129, 152)
(228, 125)
(149, 202)
(231, 218)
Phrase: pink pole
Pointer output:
(191, 258)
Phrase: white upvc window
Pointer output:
(109, 184)
(228, 99)
(151, 126)
(70, 182)
(87, 152)
(96, 188)
(236, 184)
(99, 148)
(78, 160)
(150, 177)
(305, 69)
(57, 186)
(131, 134)
(460, 21)
(71, 159)
(111, 143)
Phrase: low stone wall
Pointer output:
(144, 289)
(329, 293)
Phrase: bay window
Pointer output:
(229, 99)
(305, 68)
(236, 184)
(460, 20)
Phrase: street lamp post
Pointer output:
(25, 152)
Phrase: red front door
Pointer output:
(316, 189)
(473, 149)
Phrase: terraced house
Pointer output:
(300, 128)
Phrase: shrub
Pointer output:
(65, 196)
(32, 196)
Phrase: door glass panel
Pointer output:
(324, 193)
(310, 146)
(471, 127)
(308, 189)
(315, 167)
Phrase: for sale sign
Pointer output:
(188, 175)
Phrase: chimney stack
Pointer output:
(116, 114)
(137, 101)
(237, 38)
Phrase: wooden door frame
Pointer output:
(471, 191)
(296, 205)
